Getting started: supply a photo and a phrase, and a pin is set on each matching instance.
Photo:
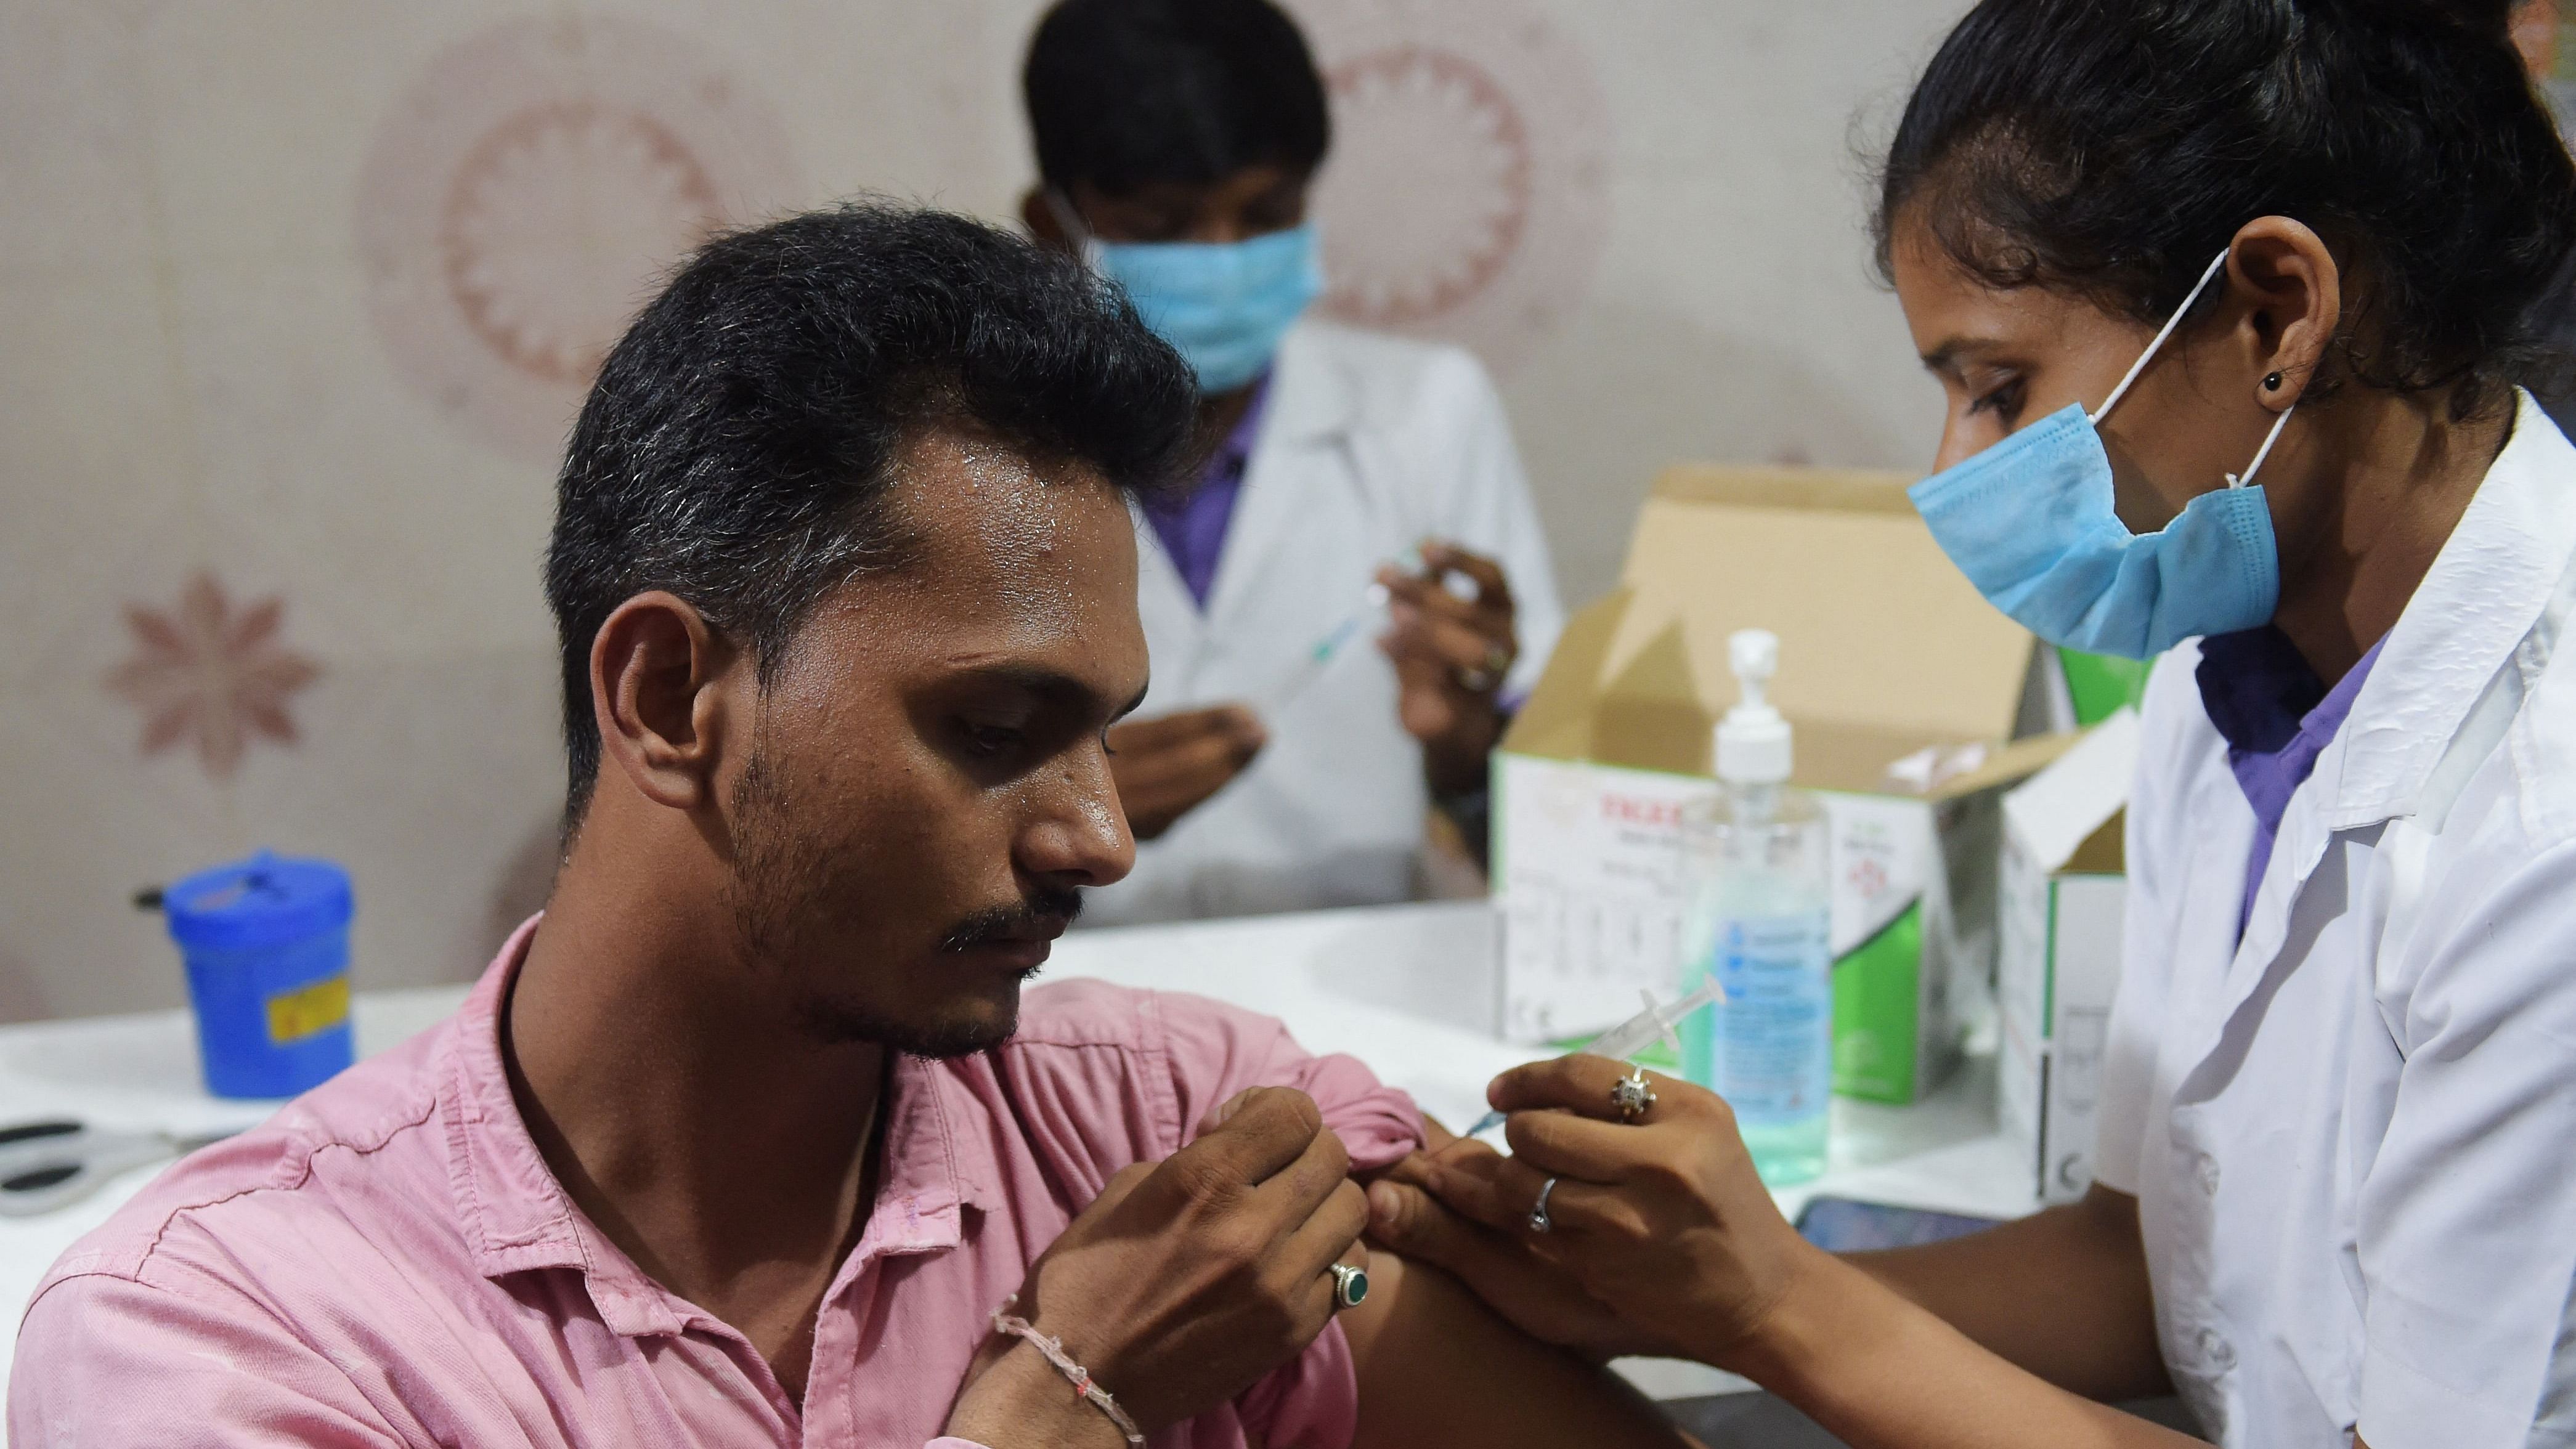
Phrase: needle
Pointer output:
(1632, 1036)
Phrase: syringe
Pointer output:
(1634, 1035)
(1328, 646)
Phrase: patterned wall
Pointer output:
(300, 295)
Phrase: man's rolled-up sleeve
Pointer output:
(1311, 1402)
(1218, 1050)
(106, 1361)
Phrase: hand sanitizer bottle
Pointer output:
(1758, 922)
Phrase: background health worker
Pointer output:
(1176, 142)
(2335, 1203)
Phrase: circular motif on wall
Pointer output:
(524, 198)
(1466, 198)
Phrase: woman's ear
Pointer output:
(2290, 292)
(658, 674)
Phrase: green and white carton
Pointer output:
(1904, 688)
(2064, 893)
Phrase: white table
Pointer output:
(1408, 989)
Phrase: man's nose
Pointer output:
(1080, 836)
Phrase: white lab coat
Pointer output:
(2353, 1135)
(1369, 444)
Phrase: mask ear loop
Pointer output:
(2147, 356)
(1066, 216)
(2265, 451)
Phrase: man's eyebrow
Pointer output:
(1052, 684)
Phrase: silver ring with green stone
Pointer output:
(1350, 1285)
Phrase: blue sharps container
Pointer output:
(266, 941)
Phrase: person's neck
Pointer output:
(724, 1150)
(2378, 489)
(1219, 415)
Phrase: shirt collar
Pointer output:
(2257, 688)
(514, 1213)
(2488, 586)
(1308, 399)
(516, 1216)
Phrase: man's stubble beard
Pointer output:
(783, 887)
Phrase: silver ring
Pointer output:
(1477, 681)
(1538, 1219)
(1632, 1096)
(1350, 1285)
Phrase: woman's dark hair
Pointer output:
(736, 448)
(1125, 93)
(2112, 147)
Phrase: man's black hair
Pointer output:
(2112, 147)
(1126, 93)
(736, 447)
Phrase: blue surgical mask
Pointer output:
(1223, 305)
(2030, 521)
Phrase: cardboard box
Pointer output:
(1903, 686)
(2063, 895)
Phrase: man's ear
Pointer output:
(2292, 292)
(658, 678)
(1043, 224)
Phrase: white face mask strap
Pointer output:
(2148, 356)
(2261, 453)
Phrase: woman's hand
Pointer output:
(1662, 1238)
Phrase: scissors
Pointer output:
(47, 1165)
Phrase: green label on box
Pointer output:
(1877, 1012)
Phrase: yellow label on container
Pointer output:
(308, 1010)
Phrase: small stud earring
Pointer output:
(2272, 383)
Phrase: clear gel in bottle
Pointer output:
(1759, 921)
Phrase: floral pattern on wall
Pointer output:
(1467, 195)
(210, 676)
(524, 197)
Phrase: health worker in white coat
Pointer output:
(2227, 297)
(1357, 490)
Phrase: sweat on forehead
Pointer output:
(971, 505)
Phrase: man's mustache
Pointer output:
(1043, 914)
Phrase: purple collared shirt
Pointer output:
(2276, 717)
(1193, 525)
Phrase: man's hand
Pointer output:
(1185, 1282)
(1450, 656)
(1168, 766)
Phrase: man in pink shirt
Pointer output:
(747, 1138)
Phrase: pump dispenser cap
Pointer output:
(1753, 740)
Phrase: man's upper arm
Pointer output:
(1436, 1366)
(107, 1362)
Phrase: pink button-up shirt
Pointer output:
(390, 1261)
